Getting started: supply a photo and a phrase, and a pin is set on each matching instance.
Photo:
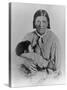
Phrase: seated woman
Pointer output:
(45, 44)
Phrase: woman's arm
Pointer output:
(28, 56)
(54, 56)
(36, 58)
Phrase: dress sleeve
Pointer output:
(58, 54)
(55, 53)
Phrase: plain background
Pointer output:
(4, 44)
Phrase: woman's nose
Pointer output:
(41, 24)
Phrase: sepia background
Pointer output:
(22, 23)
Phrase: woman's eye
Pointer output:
(38, 21)
(44, 22)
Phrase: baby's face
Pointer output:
(30, 48)
(41, 24)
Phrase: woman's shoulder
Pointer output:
(51, 33)
(29, 36)
(53, 36)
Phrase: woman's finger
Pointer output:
(33, 68)
(33, 65)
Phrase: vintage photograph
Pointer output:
(37, 44)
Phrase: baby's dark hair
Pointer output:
(22, 47)
(41, 13)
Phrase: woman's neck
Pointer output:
(41, 34)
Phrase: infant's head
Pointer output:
(23, 47)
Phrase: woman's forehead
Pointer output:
(41, 18)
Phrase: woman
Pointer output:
(45, 45)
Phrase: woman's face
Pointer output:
(41, 24)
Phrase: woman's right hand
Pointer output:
(29, 60)
(30, 64)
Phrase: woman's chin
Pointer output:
(41, 33)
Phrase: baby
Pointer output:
(23, 47)
(33, 53)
